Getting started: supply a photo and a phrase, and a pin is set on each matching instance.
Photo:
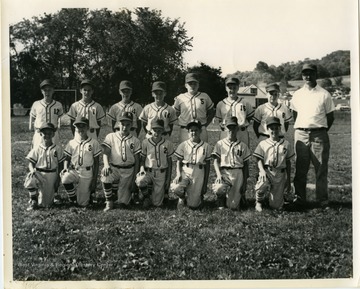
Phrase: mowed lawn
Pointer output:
(65, 243)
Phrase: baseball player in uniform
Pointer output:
(126, 104)
(234, 105)
(231, 158)
(156, 161)
(158, 110)
(88, 108)
(45, 111)
(45, 161)
(270, 109)
(121, 156)
(193, 105)
(81, 166)
(273, 158)
(193, 166)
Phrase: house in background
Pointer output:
(253, 94)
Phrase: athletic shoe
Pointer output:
(180, 204)
(33, 205)
(109, 206)
(258, 207)
(57, 200)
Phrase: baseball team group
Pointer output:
(141, 171)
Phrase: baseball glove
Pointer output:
(69, 177)
(34, 180)
(142, 180)
(179, 188)
(221, 187)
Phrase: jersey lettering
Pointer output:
(55, 154)
(132, 146)
(165, 150)
(56, 111)
(202, 100)
(90, 148)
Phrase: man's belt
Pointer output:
(311, 129)
(46, 170)
(230, 168)
(85, 168)
(123, 167)
(274, 169)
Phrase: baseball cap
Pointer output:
(272, 120)
(309, 66)
(231, 120)
(80, 119)
(46, 82)
(193, 122)
(125, 84)
(158, 85)
(157, 123)
(47, 125)
(191, 77)
(272, 86)
(233, 80)
(86, 81)
(125, 115)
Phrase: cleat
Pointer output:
(33, 205)
(258, 207)
(109, 206)
(180, 204)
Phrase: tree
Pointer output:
(338, 81)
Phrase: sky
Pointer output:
(236, 34)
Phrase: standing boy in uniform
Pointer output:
(88, 108)
(158, 110)
(193, 105)
(273, 159)
(192, 167)
(270, 109)
(45, 111)
(233, 105)
(45, 161)
(81, 166)
(156, 161)
(126, 104)
(231, 165)
(121, 156)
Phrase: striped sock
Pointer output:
(108, 191)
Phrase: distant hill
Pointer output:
(298, 83)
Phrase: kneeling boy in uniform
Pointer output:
(81, 166)
(231, 165)
(192, 167)
(45, 161)
(121, 158)
(156, 161)
(273, 159)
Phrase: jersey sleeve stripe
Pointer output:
(97, 154)
(67, 153)
(210, 106)
(70, 116)
(62, 159)
(106, 145)
(215, 154)
(256, 119)
(178, 155)
(111, 117)
(258, 156)
(250, 114)
(137, 151)
(31, 160)
(289, 157)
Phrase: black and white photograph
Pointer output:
(182, 144)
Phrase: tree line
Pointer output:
(139, 45)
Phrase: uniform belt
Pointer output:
(311, 129)
(154, 169)
(46, 170)
(274, 169)
(230, 168)
(86, 168)
(200, 166)
(123, 167)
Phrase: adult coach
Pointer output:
(313, 114)
(88, 108)
(193, 105)
(271, 109)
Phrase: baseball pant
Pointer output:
(37, 139)
(275, 185)
(47, 190)
(311, 147)
(124, 176)
(236, 178)
(158, 177)
(193, 190)
(241, 135)
(184, 134)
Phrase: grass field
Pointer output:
(163, 244)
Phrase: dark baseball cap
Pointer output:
(47, 125)
(231, 120)
(272, 87)
(86, 81)
(125, 84)
(159, 85)
(191, 77)
(46, 82)
(233, 80)
(157, 123)
(81, 120)
(192, 123)
(126, 115)
(272, 120)
(309, 66)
